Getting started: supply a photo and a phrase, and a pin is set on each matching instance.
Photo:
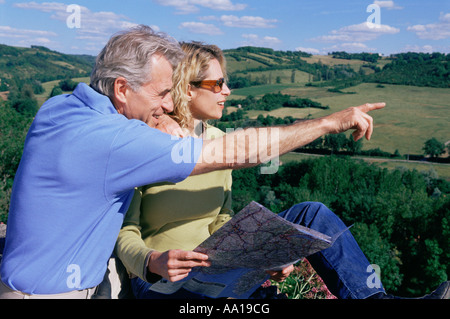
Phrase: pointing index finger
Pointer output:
(371, 106)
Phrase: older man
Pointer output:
(85, 152)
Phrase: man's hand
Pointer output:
(354, 118)
(281, 275)
(168, 125)
(175, 265)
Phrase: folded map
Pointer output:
(253, 241)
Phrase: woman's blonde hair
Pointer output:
(192, 68)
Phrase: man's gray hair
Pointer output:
(128, 54)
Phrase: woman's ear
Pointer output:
(190, 93)
(120, 93)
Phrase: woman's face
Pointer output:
(205, 104)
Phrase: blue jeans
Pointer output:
(343, 266)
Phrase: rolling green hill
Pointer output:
(36, 65)
(414, 85)
(249, 66)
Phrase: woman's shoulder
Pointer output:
(213, 132)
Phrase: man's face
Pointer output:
(152, 99)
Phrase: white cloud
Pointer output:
(201, 28)
(418, 48)
(9, 32)
(42, 40)
(25, 37)
(350, 47)
(357, 33)
(247, 22)
(390, 5)
(45, 6)
(256, 40)
(191, 6)
(433, 31)
(95, 24)
(95, 27)
(308, 50)
(242, 22)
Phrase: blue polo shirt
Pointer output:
(75, 181)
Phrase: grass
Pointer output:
(48, 87)
(411, 117)
(260, 90)
(304, 283)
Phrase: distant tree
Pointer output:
(25, 106)
(13, 129)
(68, 85)
(352, 146)
(434, 148)
(335, 142)
(56, 91)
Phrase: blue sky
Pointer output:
(318, 27)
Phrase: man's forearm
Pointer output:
(252, 146)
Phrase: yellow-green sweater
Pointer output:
(168, 216)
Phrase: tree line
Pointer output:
(418, 69)
(399, 220)
(364, 56)
(272, 101)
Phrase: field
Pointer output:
(412, 115)
(48, 86)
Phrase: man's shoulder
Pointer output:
(93, 99)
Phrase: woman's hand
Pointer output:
(281, 275)
(175, 265)
(168, 125)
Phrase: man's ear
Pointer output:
(120, 93)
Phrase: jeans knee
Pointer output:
(304, 213)
(315, 207)
(317, 211)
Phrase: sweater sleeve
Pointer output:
(130, 247)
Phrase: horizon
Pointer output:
(225, 50)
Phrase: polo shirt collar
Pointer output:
(96, 101)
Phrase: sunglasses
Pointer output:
(215, 86)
